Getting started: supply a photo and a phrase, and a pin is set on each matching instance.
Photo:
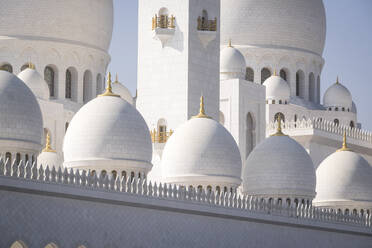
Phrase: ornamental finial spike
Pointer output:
(229, 45)
(279, 127)
(201, 110)
(108, 91)
(48, 146)
(30, 65)
(116, 78)
(275, 73)
(344, 144)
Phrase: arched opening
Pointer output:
(18, 158)
(318, 90)
(124, 175)
(250, 135)
(218, 189)
(276, 116)
(336, 122)
(312, 92)
(26, 158)
(8, 156)
(18, 244)
(265, 74)
(50, 76)
(99, 86)
(25, 66)
(300, 84)
(132, 176)
(283, 74)
(222, 118)
(114, 174)
(249, 74)
(87, 86)
(66, 126)
(6, 67)
(209, 188)
(71, 84)
(352, 125)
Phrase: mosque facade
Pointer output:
(227, 143)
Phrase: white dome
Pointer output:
(21, 121)
(35, 82)
(279, 167)
(202, 152)
(337, 95)
(83, 22)
(121, 90)
(108, 133)
(277, 88)
(49, 158)
(232, 63)
(299, 24)
(344, 176)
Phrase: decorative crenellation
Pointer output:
(322, 125)
(207, 25)
(143, 188)
(163, 21)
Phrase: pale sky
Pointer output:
(348, 50)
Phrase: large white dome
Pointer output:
(21, 122)
(108, 133)
(277, 88)
(202, 152)
(298, 24)
(279, 167)
(232, 63)
(338, 95)
(344, 178)
(82, 22)
(35, 82)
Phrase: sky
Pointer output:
(347, 53)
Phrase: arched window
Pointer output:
(352, 125)
(68, 94)
(6, 67)
(312, 90)
(18, 244)
(265, 74)
(99, 86)
(318, 89)
(49, 78)
(25, 66)
(66, 126)
(295, 118)
(87, 86)
(209, 188)
(283, 74)
(282, 117)
(26, 158)
(218, 189)
(114, 174)
(18, 158)
(124, 174)
(222, 118)
(8, 156)
(250, 135)
(249, 74)
(336, 109)
(132, 175)
(300, 84)
(336, 122)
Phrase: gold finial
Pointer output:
(48, 147)
(108, 91)
(201, 110)
(229, 45)
(31, 66)
(279, 128)
(275, 73)
(344, 144)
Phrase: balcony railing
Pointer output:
(207, 25)
(163, 21)
(160, 137)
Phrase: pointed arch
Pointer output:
(318, 89)
(6, 67)
(250, 137)
(265, 74)
(51, 245)
(87, 86)
(51, 77)
(300, 84)
(312, 88)
(249, 74)
(99, 84)
(18, 244)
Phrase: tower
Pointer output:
(178, 60)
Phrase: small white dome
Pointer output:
(108, 133)
(344, 177)
(279, 167)
(277, 88)
(202, 152)
(35, 82)
(232, 63)
(49, 158)
(21, 122)
(337, 95)
(123, 91)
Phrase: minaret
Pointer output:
(178, 60)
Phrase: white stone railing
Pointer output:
(326, 126)
(140, 187)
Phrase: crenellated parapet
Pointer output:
(323, 125)
(147, 190)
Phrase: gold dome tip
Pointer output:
(31, 66)
(275, 73)
(279, 131)
(48, 146)
(344, 144)
(108, 91)
(201, 110)
(229, 44)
